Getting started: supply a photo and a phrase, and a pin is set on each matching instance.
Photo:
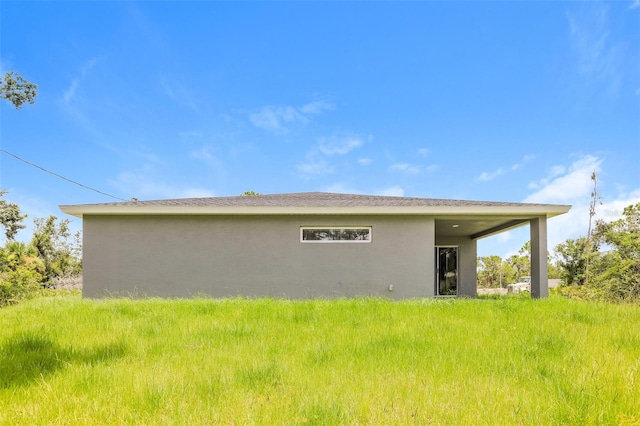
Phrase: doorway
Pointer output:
(446, 271)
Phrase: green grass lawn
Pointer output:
(64, 360)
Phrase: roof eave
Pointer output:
(525, 209)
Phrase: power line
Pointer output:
(60, 176)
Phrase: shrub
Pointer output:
(21, 272)
(18, 284)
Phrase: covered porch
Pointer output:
(455, 258)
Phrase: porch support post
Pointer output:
(539, 272)
(430, 258)
(468, 268)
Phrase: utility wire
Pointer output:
(60, 176)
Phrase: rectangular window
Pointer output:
(343, 234)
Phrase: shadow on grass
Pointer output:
(27, 357)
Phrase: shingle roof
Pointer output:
(319, 203)
(311, 199)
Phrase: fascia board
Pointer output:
(526, 210)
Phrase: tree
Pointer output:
(571, 257)
(20, 272)
(521, 263)
(16, 253)
(619, 269)
(250, 193)
(17, 90)
(490, 271)
(51, 241)
(623, 234)
(10, 217)
(553, 270)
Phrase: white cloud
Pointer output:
(598, 58)
(188, 134)
(204, 154)
(575, 223)
(149, 156)
(341, 188)
(275, 118)
(504, 237)
(574, 187)
(278, 118)
(179, 94)
(316, 161)
(195, 193)
(635, 4)
(142, 185)
(317, 107)
(526, 159)
(69, 94)
(553, 172)
(487, 176)
(317, 167)
(339, 145)
(567, 187)
(612, 210)
(423, 152)
(588, 36)
(87, 66)
(407, 168)
(365, 161)
(557, 170)
(392, 191)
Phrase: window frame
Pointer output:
(368, 228)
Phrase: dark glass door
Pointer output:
(446, 271)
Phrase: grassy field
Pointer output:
(365, 361)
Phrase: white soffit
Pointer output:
(520, 210)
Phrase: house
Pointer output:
(299, 245)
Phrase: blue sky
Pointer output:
(500, 101)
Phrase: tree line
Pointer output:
(495, 272)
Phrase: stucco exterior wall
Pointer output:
(255, 256)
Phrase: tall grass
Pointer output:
(358, 361)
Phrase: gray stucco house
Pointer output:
(299, 245)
